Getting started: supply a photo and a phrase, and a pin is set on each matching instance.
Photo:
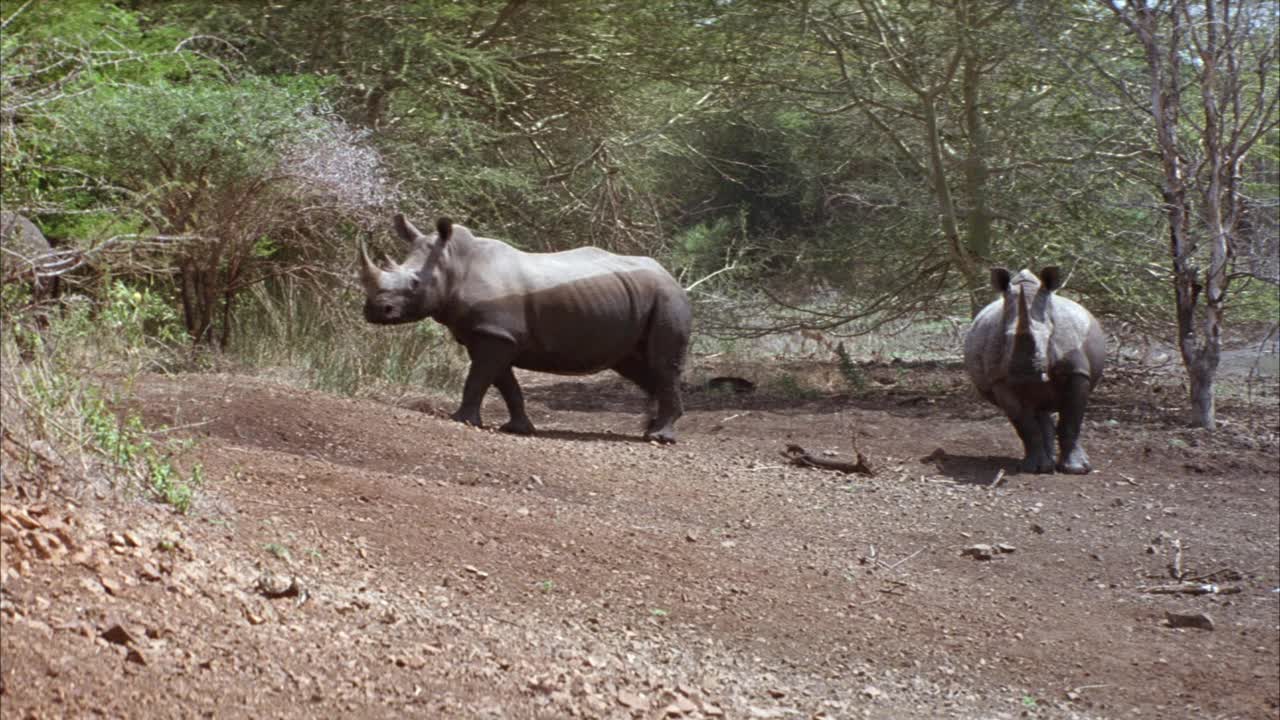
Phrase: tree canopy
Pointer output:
(829, 164)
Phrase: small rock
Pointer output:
(712, 710)
(1005, 548)
(684, 705)
(872, 691)
(135, 656)
(131, 539)
(118, 634)
(112, 585)
(635, 701)
(1191, 620)
(691, 536)
(475, 571)
(275, 586)
(980, 551)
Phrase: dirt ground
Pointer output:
(365, 558)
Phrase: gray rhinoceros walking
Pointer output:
(572, 313)
(1033, 353)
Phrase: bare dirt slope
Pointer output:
(352, 557)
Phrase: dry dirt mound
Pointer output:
(350, 557)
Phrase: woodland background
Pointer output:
(205, 170)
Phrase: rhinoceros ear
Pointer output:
(405, 229)
(1000, 279)
(444, 229)
(1051, 278)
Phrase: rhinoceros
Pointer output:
(574, 312)
(1034, 353)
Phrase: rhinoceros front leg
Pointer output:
(490, 358)
(1035, 429)
(519, 424)
(1072, 457)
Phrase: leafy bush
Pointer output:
(318, 332)
(60, 393)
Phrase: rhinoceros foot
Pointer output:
(518, 426)
(1075, 463)
(1036, 464)
(666, 436)
(465, 417)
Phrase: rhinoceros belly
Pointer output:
(585, 326)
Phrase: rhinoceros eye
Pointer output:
(413, 283)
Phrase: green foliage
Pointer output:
(319, 336)
(128, 446)
(178, 139)
(849, 369)
(137, 315)
(55, 395)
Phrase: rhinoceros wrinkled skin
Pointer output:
(572, 313)
(1033, 353)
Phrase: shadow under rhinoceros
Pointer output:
(593, 436)
(972, 469)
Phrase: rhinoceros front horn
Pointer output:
(369, 272)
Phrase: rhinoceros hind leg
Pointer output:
(1074, 459)
(659, 424)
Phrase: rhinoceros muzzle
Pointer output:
(1026, 365)
(383, 314)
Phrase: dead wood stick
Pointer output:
(799, 456)
(1190, 589)
(895, 565)
(1175, 567)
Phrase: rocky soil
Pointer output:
(366, 558)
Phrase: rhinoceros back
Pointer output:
(573, 312)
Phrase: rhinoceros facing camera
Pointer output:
(574, 312)
(1034, 353)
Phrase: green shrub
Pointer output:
(56, 402)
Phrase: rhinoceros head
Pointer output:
(411, 290)
(1027, 320)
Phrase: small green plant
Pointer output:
(658, 612)
(127, 444)
(546, 586)
(849, 369)
(135, 314)
(280, 551)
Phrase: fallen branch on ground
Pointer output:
(799, 456)
(1190, 588)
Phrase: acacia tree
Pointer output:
(1209, 96)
